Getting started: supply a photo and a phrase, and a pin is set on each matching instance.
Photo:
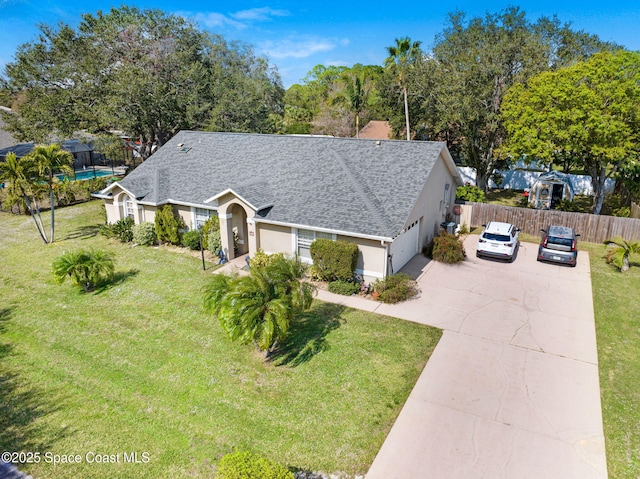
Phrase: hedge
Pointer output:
(334, 260)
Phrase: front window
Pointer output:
(128, 207)
(201, 216)
(306, 237)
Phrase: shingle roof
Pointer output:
(361, 186)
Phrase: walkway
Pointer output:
(512, 389)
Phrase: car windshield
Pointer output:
(496, 237)
(560, 241)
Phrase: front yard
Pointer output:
(137, 367)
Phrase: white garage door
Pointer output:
(405, 247)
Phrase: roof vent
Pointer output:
(378, 143)
(180, 145)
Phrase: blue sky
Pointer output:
(296, 35)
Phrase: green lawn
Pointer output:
(616, 298)
(137, 367)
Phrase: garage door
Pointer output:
(405, 247)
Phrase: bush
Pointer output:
(263, 260)
(448, 248)
(214, 242)
(167, 225)
(213, 223)
(427, 250)
(121, 229)
(191, 239)
(86, 268)
(246, 465)
(144, 233)
(334, 260)
(396, 288)
(346, 288)
(470, 193)
(567, 205)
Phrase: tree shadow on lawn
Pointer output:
(84, 232)
(21, 406)
(308, 335)
(117, 279)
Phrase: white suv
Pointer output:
(498, 240)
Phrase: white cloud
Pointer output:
(240, 20)
(214, 19)
(259, 14)
(297, 48)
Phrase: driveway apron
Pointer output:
(512, 389)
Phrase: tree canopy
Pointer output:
(589, 112)
(142, 71)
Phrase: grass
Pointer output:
(136, 367)
(617, 313)
(514, 198)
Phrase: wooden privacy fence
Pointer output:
(592, 228)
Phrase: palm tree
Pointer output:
(355, 95)
(86, 268)
(401, 56)
(620, 255)
(259, 308)
(49, 159)
(22, 189)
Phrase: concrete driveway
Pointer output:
(512, 389)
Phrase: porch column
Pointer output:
(253, 236)
(226, 235)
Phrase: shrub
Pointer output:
(214, 242)
(213, 223)
(448, 248)
(396, 288)
(121, 229)
(262, 259)
(246, 465)
(427, 250)
(567, 205)
(191, 239)
(346, 288)
(144, 233)
(86, 268)
(334, 260)
(167, 225)
(470, 193)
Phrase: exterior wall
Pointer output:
(184, 212)
(434, 202)
(149, 213)
(274, 238)
(371, 257)
(113, 211)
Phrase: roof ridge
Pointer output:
(370, 200)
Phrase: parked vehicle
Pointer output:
(498, 240)
(559, 245)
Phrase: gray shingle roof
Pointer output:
(361, 186)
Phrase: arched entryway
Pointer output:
(239, 228)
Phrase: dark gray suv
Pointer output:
(559, 245)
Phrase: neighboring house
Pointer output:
(376, 130)
(279, 193)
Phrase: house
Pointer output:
(279, 193)
(376, 130)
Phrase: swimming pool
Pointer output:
(86, 175)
